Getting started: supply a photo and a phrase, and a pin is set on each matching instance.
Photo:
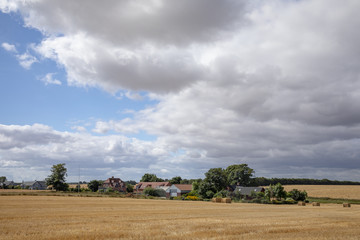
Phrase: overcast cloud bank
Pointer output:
(275, 84)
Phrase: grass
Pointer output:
(61, 217)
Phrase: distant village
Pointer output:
(235, 182)
(114, 184)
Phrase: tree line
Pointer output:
(262, 181)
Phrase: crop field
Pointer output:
(58, 217)
(331, 191)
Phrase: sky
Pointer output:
(123, 88)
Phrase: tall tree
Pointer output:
(57, 177)
(216, 177)
(2, 179)
(149, 177)
(239, 174)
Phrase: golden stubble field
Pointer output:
(55, 217)
(332, 191)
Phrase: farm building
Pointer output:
(246, 191)
(114, 183)
(34, 185)
(177, 190)
(8, 184)
(139, 188)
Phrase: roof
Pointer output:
(114, 179)
(143, 185)
(7, 183)
(30, 183)
(248, 190)
(184, 187)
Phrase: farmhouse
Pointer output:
(177, 190)
(139, 188)
(246, 191)
(114, 183)
(34, 185)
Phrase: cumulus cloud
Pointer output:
(9, 47)
(48, 79)
(40, 146)
(271, 83)
(26, 60)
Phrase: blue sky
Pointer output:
(124, 88)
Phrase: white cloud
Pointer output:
(26, 60)
(274, 83)
(40, 146)
(48, 79)
(9, 47)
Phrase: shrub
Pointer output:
(158, 192)
(221, 194)
(192, 198)
(298, 195)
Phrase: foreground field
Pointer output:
(331, 191)
(54, 217)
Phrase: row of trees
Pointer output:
(216, 180)
(262, 181)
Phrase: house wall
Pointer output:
(173, 191)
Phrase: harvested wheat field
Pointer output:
(52, 217)
(331, 191)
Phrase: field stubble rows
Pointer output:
(329, 191)
(54, 217)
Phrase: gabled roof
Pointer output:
(8, 183)
(184, 187)
(143, 185)
(113, 179)
(30, 183)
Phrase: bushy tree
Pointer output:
(222, 194)
(239, 174)
(206, 189)
(279, 191)
(155, 192)
(2, 179)
(175, 180)
(149, 177)
(298, 195)
(269, 192)
(94, 185)
(57, 177)
(129, 188)
(217, 178)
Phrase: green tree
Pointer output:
(269, 192)
(298, 195)
(215, 181)
(57, 177)
(154, 192)
(129, 188)
(216, 177)
(94, 185)
(239, 174)
(175, 180)
(279, 191)
(196, 184)
(149, 177)
(2, 179)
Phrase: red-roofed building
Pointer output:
(115, 183)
